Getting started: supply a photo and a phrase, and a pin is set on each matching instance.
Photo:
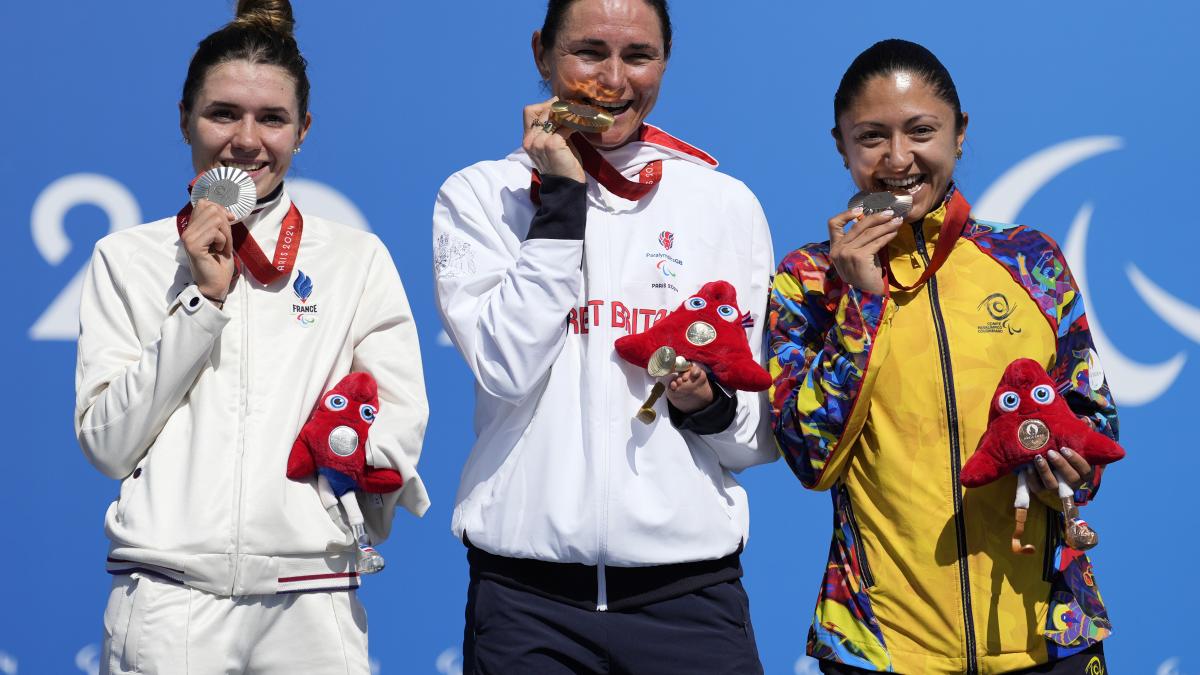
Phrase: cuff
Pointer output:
(563, 212)
(713, 419)
(194, 304)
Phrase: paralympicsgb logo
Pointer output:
(667, 239)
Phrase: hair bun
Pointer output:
(270, 14)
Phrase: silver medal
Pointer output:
(700, 333)
(229, 187)
(874, 202)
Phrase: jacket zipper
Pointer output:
(602, 549)
(848, 509)
(243, 399)
(960, 525)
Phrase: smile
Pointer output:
(248, 167)
(908, 184)
(614, 107)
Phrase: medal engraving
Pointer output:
(343, 441)
(1033, 434)
(874, 202)
(232, 188)
(700, 333)
(581, 117)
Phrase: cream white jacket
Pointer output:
(195, 408)
(561, 471)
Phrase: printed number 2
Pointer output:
(60, 321)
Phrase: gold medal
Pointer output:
(581, 117)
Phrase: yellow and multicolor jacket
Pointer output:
(882, 398)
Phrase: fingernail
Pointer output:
(857, 211)
(888, 212)
(1067, 452)
(1053, 453)
(895, 221)
(1039, 459)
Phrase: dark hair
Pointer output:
(894, 56)
(557, 9)
(260, 33)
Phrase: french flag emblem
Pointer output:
(667, 239)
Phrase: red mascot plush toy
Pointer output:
(333, 445)
(707, 328)
(1028, 419)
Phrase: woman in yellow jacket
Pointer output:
(887, 342)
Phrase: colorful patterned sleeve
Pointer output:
(1077, 370)
(823, 333)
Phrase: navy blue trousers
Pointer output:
(512, 632)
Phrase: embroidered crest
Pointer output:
(453, 257)
(667, 239)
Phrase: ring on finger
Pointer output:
(549, 126)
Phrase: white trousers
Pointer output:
(158, 627)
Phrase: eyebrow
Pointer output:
(908, 121)
(597, 42)
(227, 104)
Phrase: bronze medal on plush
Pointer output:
(1033, 434)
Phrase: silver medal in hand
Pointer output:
(232, 188)
(874, 202)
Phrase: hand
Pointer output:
(689, 391)
(1074, 470)
(208, 241)
(855, 254)
(550, 152)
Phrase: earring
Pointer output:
(958, 154)
(296, 150)
(846, 164)
(187, 141)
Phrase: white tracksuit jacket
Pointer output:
(195, 408)
(561, 471)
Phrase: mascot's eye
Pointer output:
(1042, 393)
(728, 312)
(335, 402)
(1009, 401)
(695, 302)
(368, 412)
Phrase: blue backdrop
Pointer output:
(1081, 124)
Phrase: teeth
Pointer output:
(900, 182)
(245, 167)
(610, 105)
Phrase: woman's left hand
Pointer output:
(1074, 470)
(689, 391)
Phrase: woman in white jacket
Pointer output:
(597, 543)
(199, 361)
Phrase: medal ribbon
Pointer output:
(606, 174)
(958, 211)
(264, 271)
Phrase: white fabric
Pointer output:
(196, 408)
(154, 627)
(561, 471)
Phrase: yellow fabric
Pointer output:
(903, 497)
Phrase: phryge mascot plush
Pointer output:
(1028, 419)
(707, 328)
(333, 445)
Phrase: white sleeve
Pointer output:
(386, 346)
(126, 390)
(747, 441)
(504, 302)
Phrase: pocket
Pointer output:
(122, 622)
(859, 553)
